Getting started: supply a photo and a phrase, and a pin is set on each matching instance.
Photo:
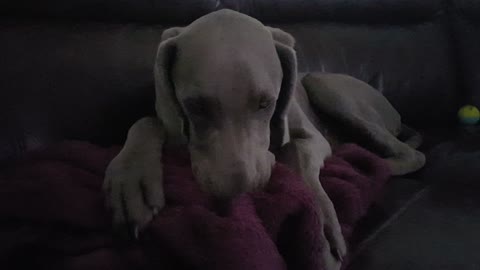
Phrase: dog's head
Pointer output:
(223, 86)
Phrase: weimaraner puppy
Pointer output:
(226, 87)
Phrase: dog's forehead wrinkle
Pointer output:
(239, 48)
(220, 29)
(225, 46)
(221, 19)
(237, 73)
(198, 98)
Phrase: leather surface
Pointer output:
(84, 81)
(396, 194)
(92, 80)
(416, 63)
(468, 9)
(366, 11)
(438, 227)
(466, 26)
(66, 75)
(438, 231)
(174, 11)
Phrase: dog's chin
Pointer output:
(229, 190)
(223, 192)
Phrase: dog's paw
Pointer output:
(134, 193)
(334, 236)
(336, 248)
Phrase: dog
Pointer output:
(226, 88)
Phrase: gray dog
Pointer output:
(226, 87)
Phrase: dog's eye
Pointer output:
(264, 104)
(198, 108)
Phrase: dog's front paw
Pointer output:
(134, 193)
(336, 247)
(333, 234)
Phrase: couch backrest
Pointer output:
(83, 69)
(182, 12)
(466, 29)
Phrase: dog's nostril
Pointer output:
(239, 179)
(238, 164)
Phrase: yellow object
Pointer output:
(469, 115)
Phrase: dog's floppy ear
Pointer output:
(284, 43)
(166, 104)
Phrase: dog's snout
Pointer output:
(231, 172)
(238, 175)
(237, 183)
(240, 178)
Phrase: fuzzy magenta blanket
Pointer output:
(52, 215)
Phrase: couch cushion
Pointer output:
(398, 193)
(456, 160)
(439, 230)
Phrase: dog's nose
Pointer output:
(239, 180)
(239, 175)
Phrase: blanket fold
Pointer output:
(52, 215)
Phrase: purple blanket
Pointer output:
(52, 215)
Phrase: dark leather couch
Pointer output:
(82, 69)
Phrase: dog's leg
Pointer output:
(306, 153)
(133, 179)
(411, 137)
